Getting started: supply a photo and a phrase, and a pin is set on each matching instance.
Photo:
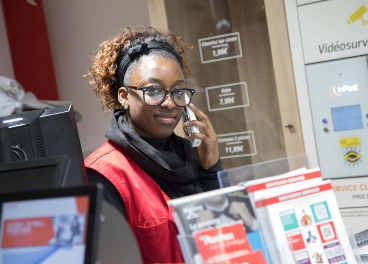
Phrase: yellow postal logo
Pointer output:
(352, 156)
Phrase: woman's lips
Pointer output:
(166, 118)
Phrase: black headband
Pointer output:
(136, 52)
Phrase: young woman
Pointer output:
(142, 76)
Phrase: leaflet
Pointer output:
(308, 220)
(272, 186)
(203, 219)
(227, 244)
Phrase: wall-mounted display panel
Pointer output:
(334, 29)
(338, 93)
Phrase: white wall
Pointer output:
(301, 81)
(75, 30)
(6, 66)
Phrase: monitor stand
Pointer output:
(116, 242)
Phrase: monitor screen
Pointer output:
(347, 118)
(51, 230)
(24, 179)
(34, 174)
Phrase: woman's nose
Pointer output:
(169, 102)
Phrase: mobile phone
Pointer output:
(190, 116)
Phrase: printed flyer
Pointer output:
(200, 217)
(308, 220)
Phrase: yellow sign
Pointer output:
(350, 142)
(358, 15)
(352, 156)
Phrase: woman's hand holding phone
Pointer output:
(207, 152)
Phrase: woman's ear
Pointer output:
(123, 97)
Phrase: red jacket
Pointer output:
(147, 212)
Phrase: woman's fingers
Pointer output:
(202, 121)
(200, 115)
(185, 130)
(206, 128)
(207, 152)
(201, 136)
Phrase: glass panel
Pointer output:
(232, 73)
(240, 175)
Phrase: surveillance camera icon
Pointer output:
(358, 15)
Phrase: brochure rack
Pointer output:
(281, 253)
(265, 169)
(192, 256)
(286, 254)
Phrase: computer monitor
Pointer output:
(34, 174)
(46, 133)
(69, 225)
(50, 226)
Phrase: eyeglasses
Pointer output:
(155, 96)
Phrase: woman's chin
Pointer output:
(159, 132)
(164, 135)
(163, 132)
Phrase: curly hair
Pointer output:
(105, 63)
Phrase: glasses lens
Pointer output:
(154, 95)
(182, 97)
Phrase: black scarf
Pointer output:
(171, 162)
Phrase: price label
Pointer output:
(219, 52)
(222, 47)
(227, 100)
(228, 96)
(235, 145)
(234, 149)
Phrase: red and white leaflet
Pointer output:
(276, 185)
(272, 186)
(306, 224)
(276, 177)
(226, 244)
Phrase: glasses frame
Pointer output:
(145, 89)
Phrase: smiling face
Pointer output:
(153, 121)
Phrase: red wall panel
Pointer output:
(29, 47)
